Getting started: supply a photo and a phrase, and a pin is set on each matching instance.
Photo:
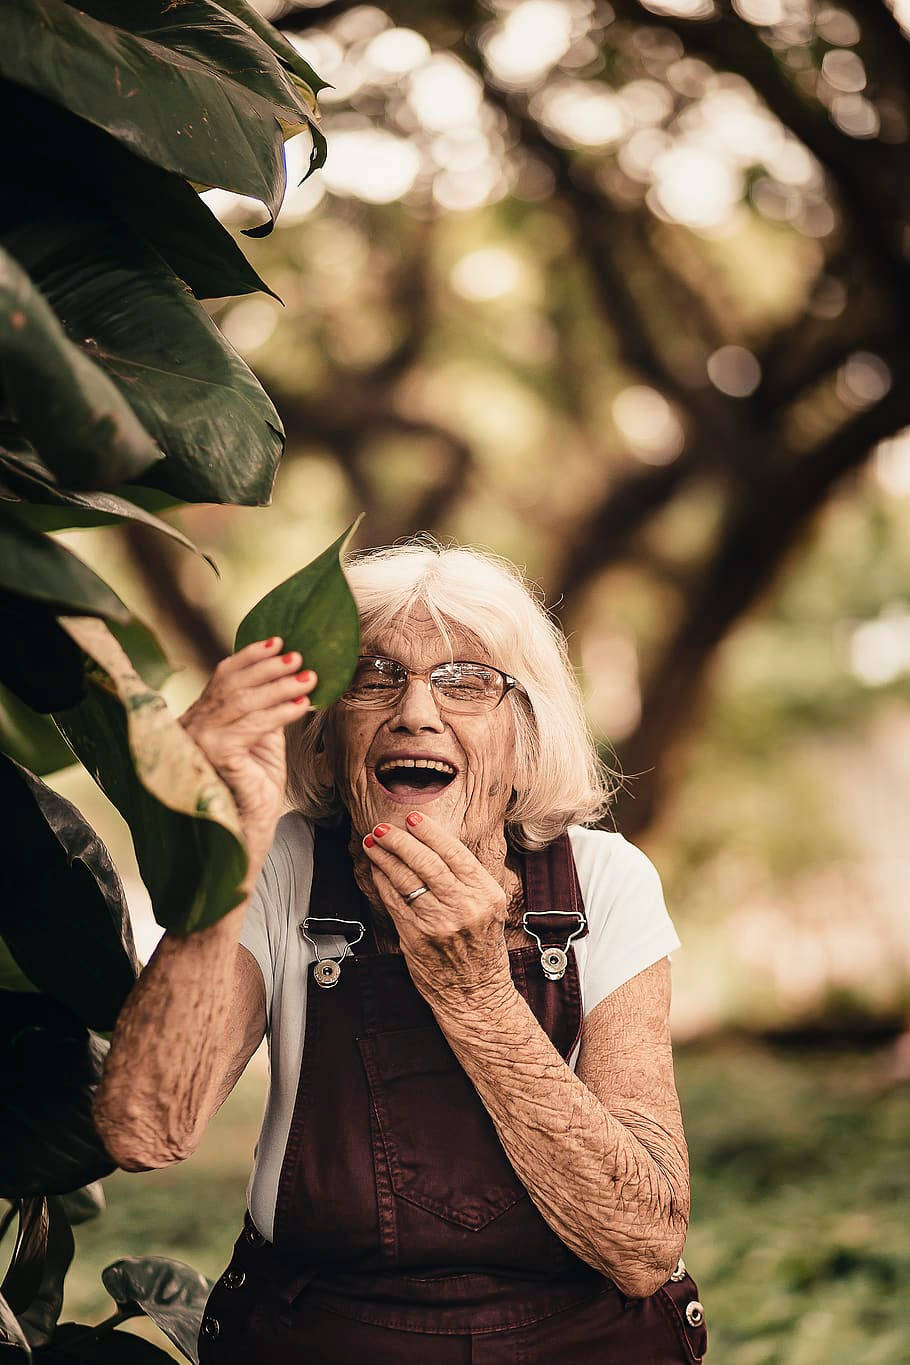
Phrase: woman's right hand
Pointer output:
(238, 723)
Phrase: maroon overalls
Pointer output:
(402, 1234)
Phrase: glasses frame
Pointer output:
(509, 684)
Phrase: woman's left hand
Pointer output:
(453, 936)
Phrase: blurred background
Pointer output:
(618, 290)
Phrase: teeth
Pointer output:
(437, 763)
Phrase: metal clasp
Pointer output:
(554, 960)
(327, 970)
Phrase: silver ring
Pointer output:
(418, 891)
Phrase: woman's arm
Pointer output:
(601, 1152)
(190, 1025)
(197, 1013)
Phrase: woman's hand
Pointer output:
(453, 936)
(238, 722)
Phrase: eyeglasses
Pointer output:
(458, 686)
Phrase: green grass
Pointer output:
(800, 1233)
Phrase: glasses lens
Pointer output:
(376, 682)
(467, 687)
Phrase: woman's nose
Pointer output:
(417, 709)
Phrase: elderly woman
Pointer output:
(472, 1149)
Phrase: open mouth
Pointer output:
(415, 779)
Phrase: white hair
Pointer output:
(560, 779)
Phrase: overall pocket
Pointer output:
(440, 1144)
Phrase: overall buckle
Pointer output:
(553, 959)
(327, 970)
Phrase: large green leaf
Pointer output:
(76, 1344)
(40, 569)
(221, 37)
(12, 1338)
(85, 430)
(12, 977)
(40, 664)
(33, 1285)
(181, 815)
(64, 915)
(172, 1294)
(85, 1204)
(44, 670)
(313, 612)
(29, 495)
(159, 207)
(220, 433)
(180, 113)
(30, 738)
(51, 1065)
(285, 51)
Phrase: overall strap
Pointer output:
(335, 897)
(554, 915)
(551, 884)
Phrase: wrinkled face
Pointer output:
(480, 748)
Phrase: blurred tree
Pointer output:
(604, 285)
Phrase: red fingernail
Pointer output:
(369, 841)
(268, 643)
(298, 701)
(286, 658)
(303, 677)
(380, 830)
(414, 818)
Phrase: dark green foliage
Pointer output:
(39, 662)
(63, 915)
(221, 437)
(33, 1286)
(50, 1064)
(118, 395)
(192, 864)
(172, 1294)
(62, 401)
(76, 1344)
(313, 612)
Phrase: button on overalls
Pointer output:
(402, 1234)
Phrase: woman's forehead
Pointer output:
(416, 638)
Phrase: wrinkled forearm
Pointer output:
(614, 1186)
(166, 1062)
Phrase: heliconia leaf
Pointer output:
(63, 916)
(313, 612)
(208, 125)
(169, 1292)
(85, 430)
(51, 1065)
(221, 435)
(182, 817)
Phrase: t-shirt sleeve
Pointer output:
(260, 930)
(629, 926)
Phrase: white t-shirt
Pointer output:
(628, 930)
